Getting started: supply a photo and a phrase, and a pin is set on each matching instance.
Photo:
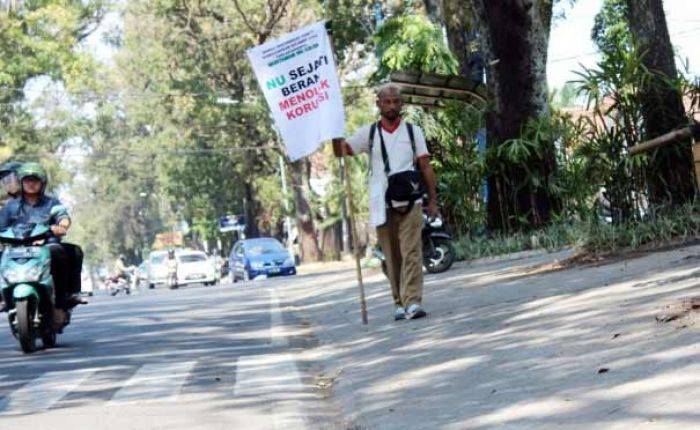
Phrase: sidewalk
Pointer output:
(572, 349)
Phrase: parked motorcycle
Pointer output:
(438, 251)
(28, 287)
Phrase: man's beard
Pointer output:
(391, 115)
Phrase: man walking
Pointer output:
(399, 161)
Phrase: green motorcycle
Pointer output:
(28, 287)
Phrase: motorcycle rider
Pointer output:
(120, 269)
(9, 178)
(171, 264)
(121, 272)
(34, 206)
(11, 186)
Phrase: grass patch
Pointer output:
(596, 238)
(552, 238)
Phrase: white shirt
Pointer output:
(401, 158)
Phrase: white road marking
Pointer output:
(275, 378)
(278, 337)
(43, 392)
(157, 381)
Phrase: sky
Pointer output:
(570, 44)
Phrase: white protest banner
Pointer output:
(298, 77)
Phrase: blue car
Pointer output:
(251, 258)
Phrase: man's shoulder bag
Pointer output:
(405, 188)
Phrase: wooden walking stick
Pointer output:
(351, 210)
(353, 235)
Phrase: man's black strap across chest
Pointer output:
(385, 157)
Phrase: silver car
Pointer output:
(196, 267)
(157, 268)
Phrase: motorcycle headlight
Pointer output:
(21, 274)
(257, 265)
(436, 223)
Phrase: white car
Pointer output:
(157, 269)
(196, 267)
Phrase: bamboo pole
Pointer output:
(353, 235)
(672, 137)
(663, 140)
(351, 210)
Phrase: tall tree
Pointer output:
(670, 178)
(458, 20)
(515, 37)
(611, 32)
(308, 240)
(40, 39)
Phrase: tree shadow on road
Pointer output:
(574, 348)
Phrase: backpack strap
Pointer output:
(412, 137)
(372, 132)
(385, 156)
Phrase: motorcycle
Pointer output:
(172, 278)
(438, 251)
(117, 284)
(28, 287)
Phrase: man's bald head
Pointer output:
(389, 101)
(388, 90)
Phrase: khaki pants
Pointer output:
(400, 240)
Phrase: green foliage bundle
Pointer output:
(412, 42)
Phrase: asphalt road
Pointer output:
(194, 358)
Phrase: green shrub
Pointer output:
(596, 237)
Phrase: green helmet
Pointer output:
(32, 170)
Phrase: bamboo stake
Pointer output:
(662, 140)
(672, 137)
(351, 210)
(353, 235)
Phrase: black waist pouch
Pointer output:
(404, 190)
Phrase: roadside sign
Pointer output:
(231, 223)
(168, 240)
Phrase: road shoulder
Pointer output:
(504, 348)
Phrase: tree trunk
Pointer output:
(515, 37)
(458, 19)
(307, 232)
(251, 212)
(432, 7)
(331, 242)
(670, 173)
